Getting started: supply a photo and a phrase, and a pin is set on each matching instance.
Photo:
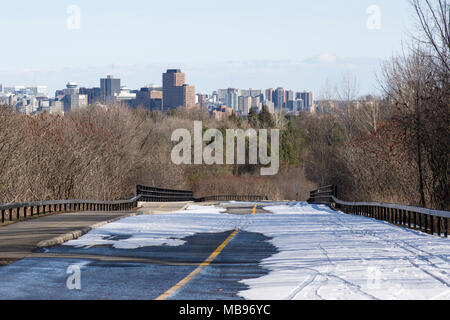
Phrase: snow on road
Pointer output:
(323, 254)
(329, 255)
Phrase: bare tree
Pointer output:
(434, 22)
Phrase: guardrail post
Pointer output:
(415, 220)
(10, 214)
(409, 219)
(432, 224)
(3, 216)
(438, 226)
(446, 227)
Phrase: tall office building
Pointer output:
(244, 104)
(233, 99)
(71, 88)
(188, 96)
(269, 94)
(110, 88)
(176, 92)
(72, 98)
(150, 98)
(290, 95)
(279, 98)
(94, 94)
(308, 99)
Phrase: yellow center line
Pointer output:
(254, 209)
(57, 224)
(160, 207)
(199, 269)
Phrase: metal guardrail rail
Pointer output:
(150, 194)
(233, 198)
(18, 211)
(14, 211)
(426, 220)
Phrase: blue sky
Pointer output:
(297, 44)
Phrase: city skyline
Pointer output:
(173, 93)
(315, 43)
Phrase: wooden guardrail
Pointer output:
(16, 211)
(426, 220)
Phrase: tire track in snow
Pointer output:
(410, 259)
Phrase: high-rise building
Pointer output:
(289, 102)
(256, 102)
(279, 98)
(308, 99)
(202, 100)
(94, 94)
(232, 99)
(244, 104)
(176, 92)
(71, 88)
(269, 94)
(150, 98)
(72, 98)
(38, 91)
(290, 95)
(188, 96)
(109, 88)
(255, 93)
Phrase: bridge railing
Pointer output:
(16, 211)
(151, 194)
(233, 198)
(426, 220)
(323, 194)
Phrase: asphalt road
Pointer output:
(19, 240)
(208, 265)
(292, 251)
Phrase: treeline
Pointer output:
(373, 149)
(103, 153)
